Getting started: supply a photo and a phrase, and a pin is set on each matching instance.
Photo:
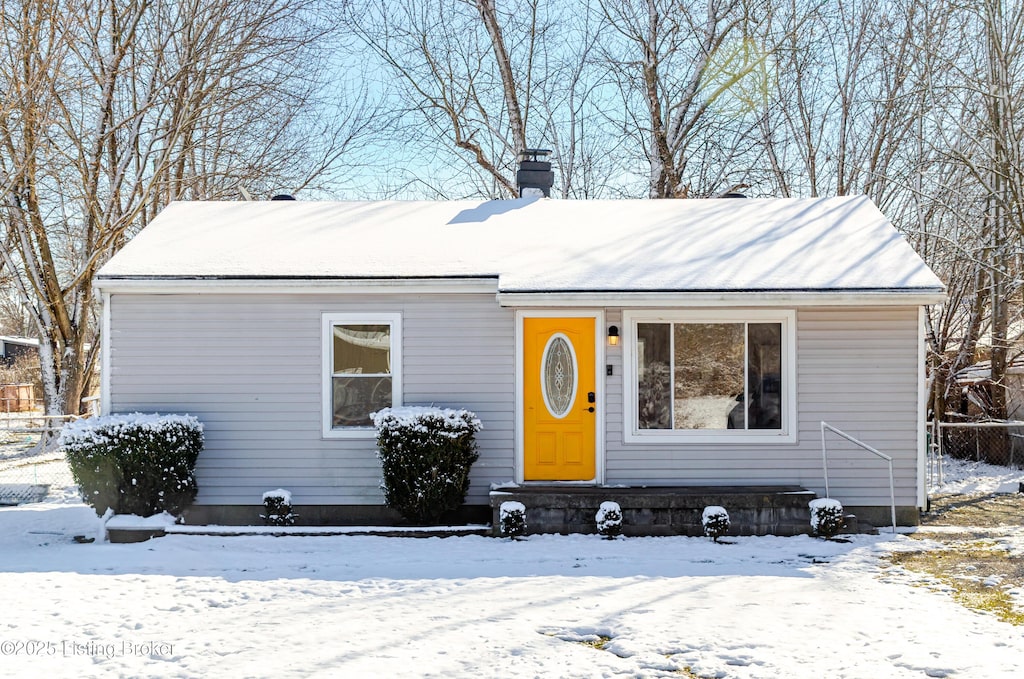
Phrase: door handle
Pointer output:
(590, 409)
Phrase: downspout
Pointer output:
(922, 412)
(105, 356)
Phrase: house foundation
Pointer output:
(652, 511)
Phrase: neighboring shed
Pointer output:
(602, 343)
(976, 380)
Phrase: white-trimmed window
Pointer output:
(362, 361)
(710, 376)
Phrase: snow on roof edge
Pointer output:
(19, 340)
(833, 244)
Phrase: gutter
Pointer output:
(297, 285)
(731, 298)
(523, 298)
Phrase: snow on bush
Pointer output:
(609, 519)
(140, 464)
(278, 505)
(425, 454)
(285, 496)
(715, 521)
(512, 517)
(826, 516)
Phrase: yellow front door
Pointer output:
(559, 399)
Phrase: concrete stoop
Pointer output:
(753, 510)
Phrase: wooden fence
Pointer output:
(17, 398)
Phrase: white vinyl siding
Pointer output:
(259, 393)
(856, 368)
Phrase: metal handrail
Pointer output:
(861, 444)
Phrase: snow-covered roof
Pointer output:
(537, 245)
(24, 341)
(982, 371)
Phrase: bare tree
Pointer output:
(975, 103)
(476, 82)
(689, 75)
(1002, 175)
(590, 155)
(463, 90)
(116, 107)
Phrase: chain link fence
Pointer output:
(998, 443)
(28, 472)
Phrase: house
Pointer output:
(606, 344)
(11, 348)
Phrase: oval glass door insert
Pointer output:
(558, 375)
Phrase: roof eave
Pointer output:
(519, 298)
(730, 298)
(293, 285)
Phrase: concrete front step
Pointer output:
(753, 510)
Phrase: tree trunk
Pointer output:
(517, 124)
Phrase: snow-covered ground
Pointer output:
(359, 606)
(967, 477)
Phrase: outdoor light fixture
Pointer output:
(613, 336)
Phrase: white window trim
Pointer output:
(633, 434)
(327, 322)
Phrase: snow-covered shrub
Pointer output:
(278, 505)
(609, 519)
(512, 517)
(135, 464)
(425, 455)
(826, 516)
(715, 521)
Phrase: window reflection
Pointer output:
(361, 381)
(708, 374)
(654, 389)
(690, 376)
